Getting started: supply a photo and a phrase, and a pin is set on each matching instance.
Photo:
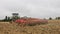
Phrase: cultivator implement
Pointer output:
(30, 21)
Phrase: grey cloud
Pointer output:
(33, 8)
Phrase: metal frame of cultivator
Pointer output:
(29, 22)
(25, 22)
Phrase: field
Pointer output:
(53, 27)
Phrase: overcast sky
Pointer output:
(31, 8)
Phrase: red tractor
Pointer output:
(26, 21)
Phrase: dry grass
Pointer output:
(53, 27)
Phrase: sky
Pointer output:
(31, 8)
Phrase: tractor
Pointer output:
(26, 20)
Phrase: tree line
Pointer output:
(57, 18)
(14, 18)
(10, 18)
